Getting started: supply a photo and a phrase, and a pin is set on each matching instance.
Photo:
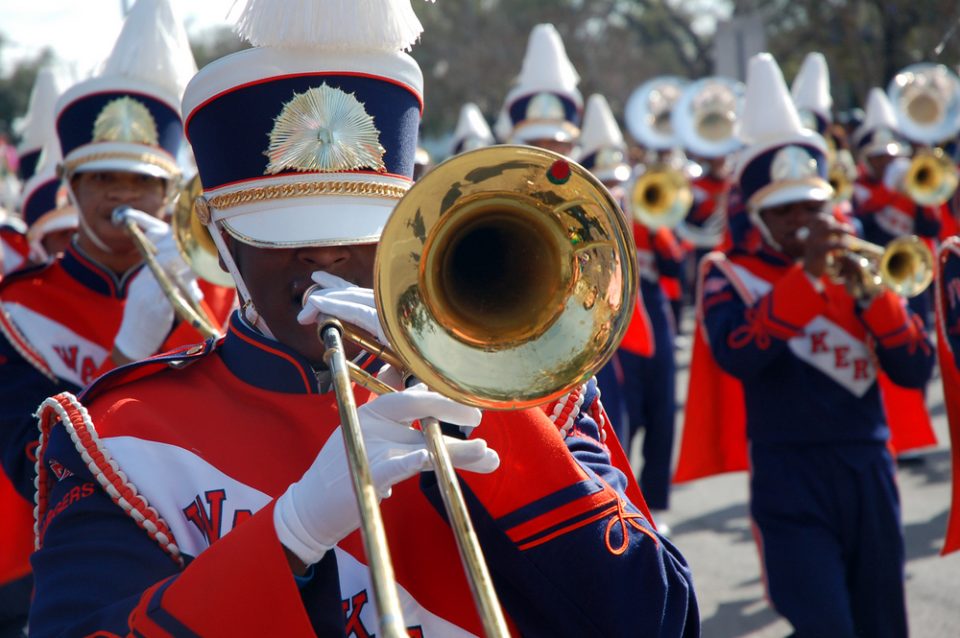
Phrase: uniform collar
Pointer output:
(94, 275)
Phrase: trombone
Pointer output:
(503, 278)
(195, 246)
(932, 177)
(660, 198)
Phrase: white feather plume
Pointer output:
(330, 25)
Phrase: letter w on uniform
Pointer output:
(208, 517)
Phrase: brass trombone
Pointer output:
(503, 278)
(932, 177)
(660, 198)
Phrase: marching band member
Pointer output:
(646, 361)
(947, 296)
(544, 105)
(50, 218)
(255, 532)
(823, 493)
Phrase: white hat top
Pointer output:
(472, 129)
(879, 112)
(38, 124)
(546, 66)
(152, 47)
(600, 129)
(769, 114)
(811, 87)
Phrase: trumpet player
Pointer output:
(256, 531)
(806, 351)
(81, 314)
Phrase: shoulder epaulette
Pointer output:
(174, 359)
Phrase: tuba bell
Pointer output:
(926, 102)
(706, 114)
(648, 112)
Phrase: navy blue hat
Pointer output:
(305, 143)
(128, 117)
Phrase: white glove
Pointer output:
(168, 254)
(342, 300)
(320, 509)
(895, 172)
(147, 318)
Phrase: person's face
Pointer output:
(277, 278)
(564, 148)
(56, 242)
(99, 192)
(877, 164)
(785, 220)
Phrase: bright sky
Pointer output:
(82, 32)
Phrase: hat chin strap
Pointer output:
(82, 225)
(247, 308)
(764, 231)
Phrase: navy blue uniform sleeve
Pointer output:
(96, 562)
(901, 343)
(950, 282)
(607, 573)
(746, 339)
(22, 389)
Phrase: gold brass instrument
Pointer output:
(183, 303)
(660, 198)
(905, 266)
(193, 239)
(841, 173)
(932, 177)
(503, 278)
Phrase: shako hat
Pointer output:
(879, 134)
(472, 130)
(545, 102)
(310, 137)
(603, 150)
(811, 93)
(782, 161)
(127, 117)
(37, 126)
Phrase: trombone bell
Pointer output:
(905, 266)
(660, 198)
(932, 178)
(505, 277)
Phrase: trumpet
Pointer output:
(932, 178)
(904, 266)
(503, 278)
(660, 198)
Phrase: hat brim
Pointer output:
(307, 222)
(557, 131)
(795, 193)
(123, 166)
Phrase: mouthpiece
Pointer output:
(119, 215)
(802, 234)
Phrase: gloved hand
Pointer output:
(168, 254)
(320, 509)
(147, 318)
(340, 299)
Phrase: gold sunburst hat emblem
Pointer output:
(327, 130)
(125, 120)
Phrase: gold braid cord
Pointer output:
(146, 158)
(307, 189)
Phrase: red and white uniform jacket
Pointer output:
(887, 214)
(14, 249)
(948, 350)
(790, 364)
(157, 491)
(57, 325)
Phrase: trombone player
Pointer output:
(806, 349)
(260, 510)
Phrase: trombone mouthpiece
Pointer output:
(802, 234)
(119, 215)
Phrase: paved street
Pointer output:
(710, 524)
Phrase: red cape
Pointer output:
(950, 377)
